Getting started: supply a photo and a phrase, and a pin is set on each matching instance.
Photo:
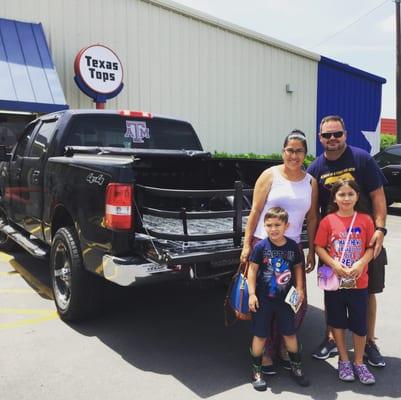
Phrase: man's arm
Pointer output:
(379, 210)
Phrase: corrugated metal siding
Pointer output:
(230, 86)
(354, 95)
(28, 80)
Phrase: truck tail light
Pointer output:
(118, 206)
(135, 114)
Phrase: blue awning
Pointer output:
(28, 78)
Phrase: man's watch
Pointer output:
(381, 229)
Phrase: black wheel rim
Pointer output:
(62, 276)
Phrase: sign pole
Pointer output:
(398, 70)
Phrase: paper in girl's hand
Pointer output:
(293, 299)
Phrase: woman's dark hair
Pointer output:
(333, 207)
(296, 134)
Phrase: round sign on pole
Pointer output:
(98, 73)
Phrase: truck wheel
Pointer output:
(6, 244)
(76, 291)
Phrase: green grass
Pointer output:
(387, 140)
(253, 156)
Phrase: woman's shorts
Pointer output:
(346, 309)
(262, 319)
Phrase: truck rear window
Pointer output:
(132, 133)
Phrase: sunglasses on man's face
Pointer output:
(328, 135)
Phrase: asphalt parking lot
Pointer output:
(166, 342)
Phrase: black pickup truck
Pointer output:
(389, 161)
(121, 195)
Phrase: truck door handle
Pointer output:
(18, 173)
(35, 176)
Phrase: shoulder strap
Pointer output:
(243, 268)
(348, 235)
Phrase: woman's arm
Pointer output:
(253, 302)
(299, 284)
(260, 193)
(312, 219)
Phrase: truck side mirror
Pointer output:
(3, 154)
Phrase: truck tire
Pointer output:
(77, 292)
(6, 244)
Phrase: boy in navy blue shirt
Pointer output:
(275, 266)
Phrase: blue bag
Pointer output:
(236, 302)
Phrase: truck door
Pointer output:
(32, 177)
(15, 191)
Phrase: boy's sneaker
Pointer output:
(297, 374)
(373, 355)
(345, 371)
(258, 382)
(269, 369)
(363, 374)
(326, 349)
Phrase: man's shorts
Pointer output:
(262, 319)
(376, 273)
(346, 309)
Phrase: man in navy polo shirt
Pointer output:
(340, 161)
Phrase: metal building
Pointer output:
(242, 91)
(356, 96)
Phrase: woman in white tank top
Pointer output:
(290, 187)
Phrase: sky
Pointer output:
(360, 33)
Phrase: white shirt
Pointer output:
(294, 196)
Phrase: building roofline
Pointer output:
(228, 26)
(353, 70)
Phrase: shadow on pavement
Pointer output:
(178, 329)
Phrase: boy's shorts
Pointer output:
(262, 319)
(376, 273)
(346, 309)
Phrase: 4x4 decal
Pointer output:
(92, 178)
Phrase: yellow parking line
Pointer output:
(36, 283)
(7, 273)
(17, 290)
(6, 257)
(42, 316)
(25, 311)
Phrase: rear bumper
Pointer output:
(126, 271)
